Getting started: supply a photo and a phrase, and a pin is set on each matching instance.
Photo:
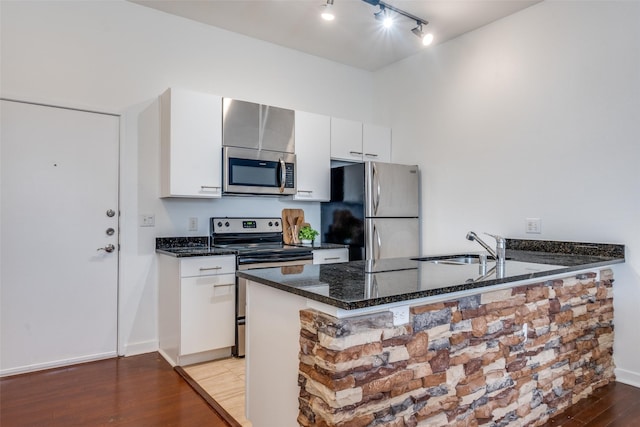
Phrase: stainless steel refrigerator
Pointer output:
(374, 209)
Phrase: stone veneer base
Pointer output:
(463, 362)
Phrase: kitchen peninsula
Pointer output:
(406, 342)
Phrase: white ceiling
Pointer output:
(354, 37)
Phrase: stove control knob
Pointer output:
(219, 223)
(277, 223)
(270, 224)
(226, 224)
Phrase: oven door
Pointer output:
(248, 171)
(241, 298)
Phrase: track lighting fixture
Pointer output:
(386, 16)
(387, 19)
(327, 11)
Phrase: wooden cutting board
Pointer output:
(292, 220)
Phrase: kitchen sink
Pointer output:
(464, 259)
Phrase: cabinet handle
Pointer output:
(305, 191)
(205, 187)
(355, 153)
(332, 258)
(224, 284)
(210, 268)
(370, 155)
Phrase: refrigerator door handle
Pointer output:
(376, 184)
(377, 243)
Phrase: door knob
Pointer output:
(108, 248)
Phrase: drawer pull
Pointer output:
(332, 258)
(207, 187)
(223, 284)
(210, 268)
(355, 153)
(305, 191)
(370, 155)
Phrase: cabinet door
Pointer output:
(376, 143)
(346, 139)
(191, 141)
(207, 313)
(313, 154)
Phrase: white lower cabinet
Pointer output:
(330, 256)
(196, 308)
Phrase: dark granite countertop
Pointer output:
(361, 284)
(185, 247)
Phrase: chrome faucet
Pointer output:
(499, 253)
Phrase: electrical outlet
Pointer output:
(533, 226)
(147, 220)
(400, 315)
(193, 224)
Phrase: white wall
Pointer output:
(535, 115)
(116, 56)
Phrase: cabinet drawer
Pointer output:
(208, 265)
(330, 256)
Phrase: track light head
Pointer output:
(379, 15)
(327, 11)
(418, 30)
(427, 38)
(384, 16)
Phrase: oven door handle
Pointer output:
(283, 174)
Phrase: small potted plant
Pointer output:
(307, 234)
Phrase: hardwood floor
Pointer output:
(132, 391)
(145, 391)
(614, 405)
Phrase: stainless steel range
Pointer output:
(259, 244)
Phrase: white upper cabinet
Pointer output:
(313, 156)
(346, 139)
(357, 142)
(376, 143)
(191, 144)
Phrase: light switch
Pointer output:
(147, 220)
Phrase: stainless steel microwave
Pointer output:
(249, 171)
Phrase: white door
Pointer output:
(59, 188)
